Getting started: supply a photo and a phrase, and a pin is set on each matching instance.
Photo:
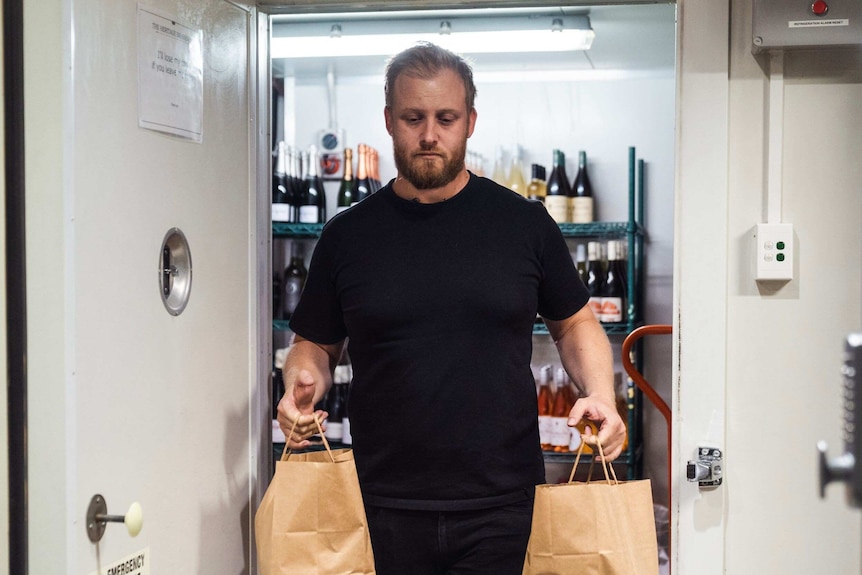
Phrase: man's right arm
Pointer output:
(307, 375)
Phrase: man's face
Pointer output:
(429, 124)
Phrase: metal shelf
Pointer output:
(290, 230)
(295, 230)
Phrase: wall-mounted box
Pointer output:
(789, 24)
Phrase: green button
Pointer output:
(780, 257)
(780, 245)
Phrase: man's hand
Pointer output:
(603, 414)
(296, 415)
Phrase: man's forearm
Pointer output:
(319, 360)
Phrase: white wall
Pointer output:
(785, 345)
(759, 367)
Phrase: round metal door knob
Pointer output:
(98, 518)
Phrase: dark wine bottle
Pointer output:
(312, 209)
(343, 373)
(537, 189)
(335, 409)
(614, 287)
(558, 189)
(582, 193)
(347, 189)
(363, 182)
(294, 182)
(294, 280)
(595, 277)
(280, 199)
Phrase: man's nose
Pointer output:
(428, 134)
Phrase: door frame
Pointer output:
(13, 356)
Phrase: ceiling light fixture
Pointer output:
(576, 35)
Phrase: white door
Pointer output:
(125, 399)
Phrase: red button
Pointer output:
(819, 8)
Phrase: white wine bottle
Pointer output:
(515, 181)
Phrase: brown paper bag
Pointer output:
(593, 528)
(311, 520)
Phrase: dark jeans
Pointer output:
(483, 542)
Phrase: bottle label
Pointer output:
(346, 436)
(545, 429)
(334, 431)
(308, 214)
(560, 433)
(575, 440)
(281, 212)
(340, 209)
(612, 309)
(596, 305)
(582, 210)
(558, 208)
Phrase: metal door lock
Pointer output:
(707, 469)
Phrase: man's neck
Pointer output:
(406, 190)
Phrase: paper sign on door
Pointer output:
(170, 75)
(135, 564)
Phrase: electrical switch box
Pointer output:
(774, 252)
(787, 24)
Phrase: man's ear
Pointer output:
(471, 122)
(387, 116)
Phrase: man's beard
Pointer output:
(426, 174)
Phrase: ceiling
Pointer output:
(630, 39)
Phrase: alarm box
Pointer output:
(790, 24)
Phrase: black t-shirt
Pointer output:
(438, 303)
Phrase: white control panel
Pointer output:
(774, 252)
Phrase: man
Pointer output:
(435, 282)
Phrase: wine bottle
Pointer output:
(581, 429)
(363, 184)
(515, 181)
(499, 173)
(294, 280)
(312, 209)
(595, 277)
(293, 166)
(563, 403)
(621, 391)
(537, 188)
(582, 193)
(280, 203)
(335, 409)
(581, 262)
(345, 377)
(347, 189)
(373, 169)
(546, 402)
(557, 195)
(613, 290)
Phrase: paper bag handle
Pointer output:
(605, 464)
(286, 453)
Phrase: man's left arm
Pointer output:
(586, 355)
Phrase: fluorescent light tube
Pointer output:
(473, 42)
